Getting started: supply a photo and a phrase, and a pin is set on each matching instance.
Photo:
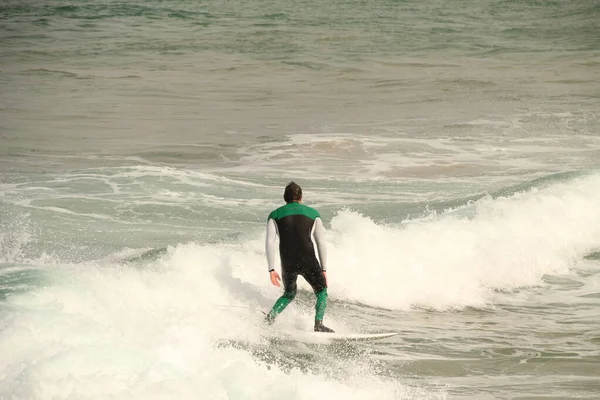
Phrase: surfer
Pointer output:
(295, 224)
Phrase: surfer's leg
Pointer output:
(320, 311)
(289, 293)
(321, 305)
(280, 305)
(314, 276)
(312, 272)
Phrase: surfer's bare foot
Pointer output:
(319, 327)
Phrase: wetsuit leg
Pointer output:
(290, 287)
(321, 305)
(313, 274)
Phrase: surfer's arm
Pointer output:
(319, 234)
(271, 243)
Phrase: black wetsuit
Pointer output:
(295, 224)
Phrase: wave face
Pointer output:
(180, 320)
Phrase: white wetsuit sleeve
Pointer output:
(271, 244)
(319, 233)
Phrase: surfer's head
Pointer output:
(293, 192)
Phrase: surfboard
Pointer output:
(325, 337)
(329, 338)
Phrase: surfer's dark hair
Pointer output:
(293, 192)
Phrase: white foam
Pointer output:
(109, 330)
(386, 152)
(126, 333)
(451, 261)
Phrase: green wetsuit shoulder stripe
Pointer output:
(294, 208)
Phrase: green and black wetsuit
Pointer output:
(295, 224)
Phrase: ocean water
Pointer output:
(452, 148)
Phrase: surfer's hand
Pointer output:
(325, 275)
(275, 279)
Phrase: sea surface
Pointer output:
(451, 147)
